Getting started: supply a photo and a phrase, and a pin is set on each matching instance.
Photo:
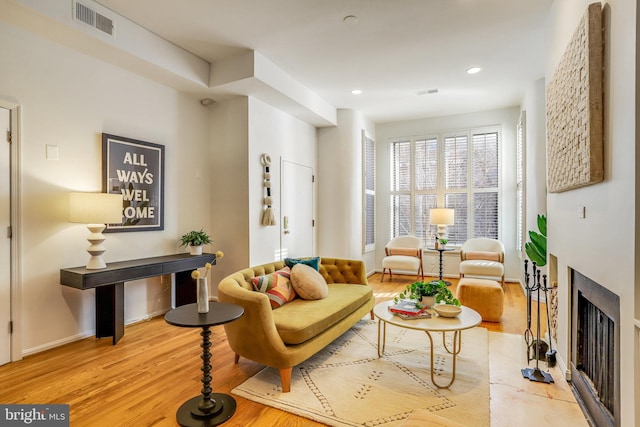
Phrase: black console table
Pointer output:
(109, 285)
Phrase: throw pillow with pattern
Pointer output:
(277, 286)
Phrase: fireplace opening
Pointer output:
(595, 354)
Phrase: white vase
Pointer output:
(203, 295)
(428, 301)
(195, 250)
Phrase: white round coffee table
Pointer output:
(467, 319)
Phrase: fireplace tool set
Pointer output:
(536, 348)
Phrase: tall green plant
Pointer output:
(536, 249)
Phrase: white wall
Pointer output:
(230, 213)
(535, 171)
(68, 99)
(243, 129)
(283, 137)
(507, 120)
(340, 187)
(611, 214)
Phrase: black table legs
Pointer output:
(446, 282)
(110, 311)
(209, 409)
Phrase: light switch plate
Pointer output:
(581, 212)
(52, 152)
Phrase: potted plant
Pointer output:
(536, 249)
(428, 293)
(443, 242)
(194, 240)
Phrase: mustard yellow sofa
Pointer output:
(286, 336)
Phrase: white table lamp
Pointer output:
(95, 210)
(441, 217)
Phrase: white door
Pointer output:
(5, 241)
(296, 221)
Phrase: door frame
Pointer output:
(313, 203)
(15, 263)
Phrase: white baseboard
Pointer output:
(57, 343)
(87, 334)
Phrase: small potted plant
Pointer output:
(428, 294)
(443, 243)
(194, 240)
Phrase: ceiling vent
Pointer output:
(84, 13)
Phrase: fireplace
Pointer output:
(595, 349)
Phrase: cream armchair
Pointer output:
(482, 257)
(403, 253)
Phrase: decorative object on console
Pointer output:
(441, 217)
(195, 240)
(202, 288)
(268, 217)
(95, 210)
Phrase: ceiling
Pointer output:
(396, 51)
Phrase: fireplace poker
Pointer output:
(534, 374)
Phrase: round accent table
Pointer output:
(467, 319)
(209, 409)
(441, 250)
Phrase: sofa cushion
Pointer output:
(277, 286)
(313, 262)
(301, 320)
(308, 283)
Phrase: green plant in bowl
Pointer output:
(195, 238)
(437, 289)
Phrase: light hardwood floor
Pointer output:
(143, 379)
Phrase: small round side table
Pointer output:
(441, 250)
(209, 409)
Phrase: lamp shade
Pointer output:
(95, 208)
(441, 216)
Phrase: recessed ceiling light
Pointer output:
(356, 91)
(350, 19)
(473, 70)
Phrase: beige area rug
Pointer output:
(348, 385)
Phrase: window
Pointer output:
(400, 188)
(520, 232)
(459, 170)
(369, 180)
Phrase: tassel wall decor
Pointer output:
(268, 217)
